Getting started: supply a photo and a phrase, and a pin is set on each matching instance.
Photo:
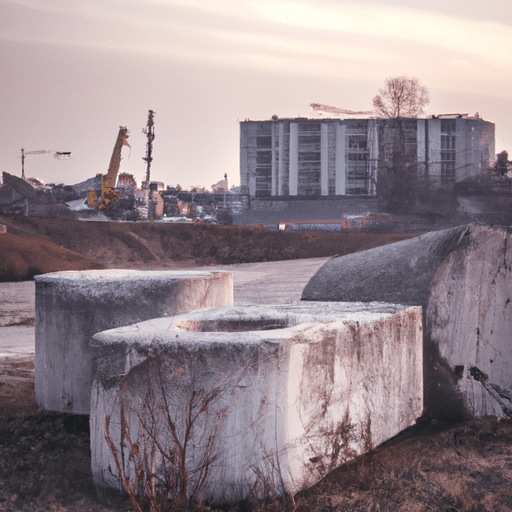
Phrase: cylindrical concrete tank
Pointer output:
(72, 306)
(399, 273)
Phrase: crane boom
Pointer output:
(108, 181)
(56, 154)
(335, 110)
(37, 152)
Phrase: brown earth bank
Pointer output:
(160, 245)
(45, 457)
(22, 258)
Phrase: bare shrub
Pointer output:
(167, 445)
(332, 443)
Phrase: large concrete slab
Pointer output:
(399, 273)
(469, 325)
(72, 306)
(270, 398)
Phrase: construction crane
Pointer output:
(108, 181)
(150, 134)
(57, 154)
(335, 110)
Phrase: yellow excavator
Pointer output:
(108, 181)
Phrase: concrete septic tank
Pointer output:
(72, 306)
(267, 399)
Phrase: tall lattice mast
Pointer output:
(150, 134)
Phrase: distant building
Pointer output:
(15, 194)
(348, 157)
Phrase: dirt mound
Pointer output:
(159, 245)
(21, 258)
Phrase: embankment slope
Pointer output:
(148, 245)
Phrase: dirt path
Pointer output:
(275, 282)
(16, 302)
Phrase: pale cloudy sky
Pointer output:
(72, 72)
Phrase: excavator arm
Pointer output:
(108, 181)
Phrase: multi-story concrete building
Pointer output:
(349, 157)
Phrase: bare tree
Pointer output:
(402, 97)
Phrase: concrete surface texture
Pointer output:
(399, 273)
(469, 319)
(252, 398)
(72, 306)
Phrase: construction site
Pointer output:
(303, 359)
(114, 195)
(291, 365)
(346, 170)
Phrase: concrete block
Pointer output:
(469, 325)
(72, 306)
(268, 399)
(399, 273)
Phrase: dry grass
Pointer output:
(432, 467)
(463, 467)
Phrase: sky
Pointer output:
(73, 71)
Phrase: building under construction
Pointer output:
(353, 157)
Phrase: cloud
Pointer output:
(299, 37)
(486, 39)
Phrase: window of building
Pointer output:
(264, 157)
(264, 142)
(448, 155)
(358, 180)
(309, 139)
(309, 156)
(447, 125)
(357, 155)
(263, 181)
(447, 172)
(447, 142)
(264, 128)
(447, 166)
(309, 127)
(356, 142)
